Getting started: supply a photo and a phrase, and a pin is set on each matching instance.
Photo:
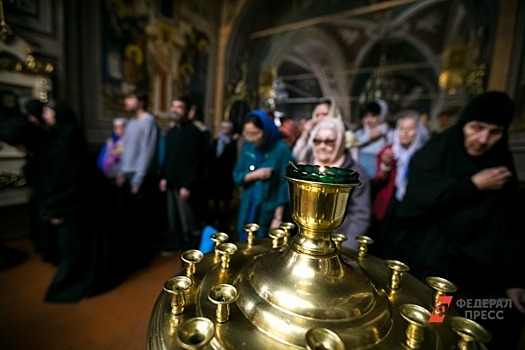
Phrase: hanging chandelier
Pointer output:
(381, 85)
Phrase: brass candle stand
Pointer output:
(308, 292)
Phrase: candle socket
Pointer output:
(417, 318)
(287, 227)
(363, 241)
(471, 334)
(277, 235)
(218, 238)
(177, 287)
(223, 295)
(338, 239)
(191, 257)
(251, 230)
(195, 333)
(319, 338)
(226, 250)
(441, 287)
(397, 268)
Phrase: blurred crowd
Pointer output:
(447, 202)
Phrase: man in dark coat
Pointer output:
(182, 176)
(458, 215)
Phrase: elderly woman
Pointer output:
(392, 161)
(373, 135)
(259, 173)
(327, 140)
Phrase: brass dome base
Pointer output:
(284, 293)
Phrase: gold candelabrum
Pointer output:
(306, 291)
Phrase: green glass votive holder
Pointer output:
(322, 174)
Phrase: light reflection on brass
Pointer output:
(287, 227)
(191, 257)
(417, 318)
(338, 239)
(195, 333)
(218, 238)
(226, 250)
(223, 295)
(363, 241)
(175, 321)
(471, 334)
(441, 287)
(319, 338)
(319, 209)
(251, 230)
(397, 268)
(177, 286)
(282, 293)
(277, 235)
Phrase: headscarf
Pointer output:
(403, 155)
(493, 107)
(382, 126)
(383, 109)
(337, 126)
(35, 107)
(118, 121)
(63, 112)
(271, 132)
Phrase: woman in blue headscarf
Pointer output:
(259, 173)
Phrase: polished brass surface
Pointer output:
(363, 241)
(441, 287)
(177, 286)
(397, 268)
(191, 257)
(306, 290)
(195, 333)
(417, 318)
(218, 238)
(471, 334)
(223, 295)
(226, 250)
(287, 227)
(323, 339)
(277, 235)
(251, 230)
(338, 239)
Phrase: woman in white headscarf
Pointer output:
(327, 141)
(392, 161)
(373, 135)
(326, 108)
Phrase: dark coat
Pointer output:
(184, 157)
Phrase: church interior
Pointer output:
(230, 57)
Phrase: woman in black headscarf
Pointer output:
(458, 214)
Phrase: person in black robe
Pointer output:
(219, 182)
(182, 175)
(72, 206)
(459, 216)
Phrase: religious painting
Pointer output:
(124, 48)
(151, 46)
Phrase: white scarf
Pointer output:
(403, 155)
